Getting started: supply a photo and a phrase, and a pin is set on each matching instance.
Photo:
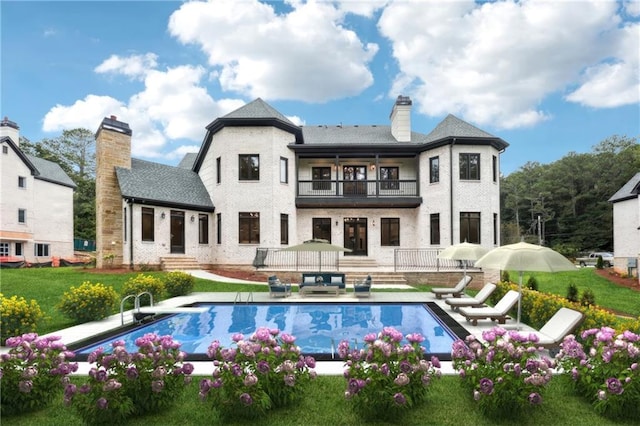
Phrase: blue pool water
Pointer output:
(318, 327)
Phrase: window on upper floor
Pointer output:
(390, 231)
(41, 250)
(219, 228)
(322, 228)
(218, 170)
(249, 166)
(389, 177)
(203, 228)
(494, 165)
(470, 227)
(4, 249)
(249, 228)
(284, 170)
(148, 224)
(5, 149)
(22, 216)
(284, 229)
(434, 220)
(434, 169)
(319, 174)
(469, 166)
(22, 182)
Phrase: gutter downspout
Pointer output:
(451, 190)
(131, 234)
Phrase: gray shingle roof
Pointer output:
(629, 190)
(257, 109)
(452, 126)
(188, 160)
(353, 135)
(162, 184)
(50, 171)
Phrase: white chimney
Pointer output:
(10, 129)
(401, 119)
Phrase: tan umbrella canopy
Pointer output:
(463, 251)
(318, 245)
(524, 257)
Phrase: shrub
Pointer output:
(605, 370)
(264, 372)
(588, 298)
(34, 372)
(88, 302)
(178, 283)
(572, 293)
(532, 283)
(17, 316)
(504, 371)
(505, 277)
(144, 283)
(599, 263)
(122, 385)
(387, 378)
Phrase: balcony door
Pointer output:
(355, 236)
(355, 180)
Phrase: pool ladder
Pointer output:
(136, 304)
(238, 298)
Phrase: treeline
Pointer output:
(565, 204)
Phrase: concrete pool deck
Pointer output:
(202, 368)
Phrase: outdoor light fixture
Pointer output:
(162, 216)
(373, 167)
(193, 218)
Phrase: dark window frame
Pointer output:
(147, 224)
(390, 231)
(284, 228)
(469, 163)
(218, 170)
(284, 170)
(321, 177)
(203, 228)
(249, 167)
(22, 182)
(494, 164)
(219, 228)
(321, 228)
(434, 223)
(22, 215)
(434, 169)
(249, 228)
(470, 227)
(387, 178)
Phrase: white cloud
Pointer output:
(134, 66)
(494, 63)
(305, 54)
(86, 113)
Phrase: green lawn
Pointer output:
(449, 403)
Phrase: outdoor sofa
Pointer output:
(322, 282)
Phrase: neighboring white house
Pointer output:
(626, 226)
(260, 181)
(36, 203)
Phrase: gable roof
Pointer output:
(159, 184)
(257, 109)
(188, 160)
(40, 168)
(629, 190)
(452, 126)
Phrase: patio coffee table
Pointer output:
(320, 289)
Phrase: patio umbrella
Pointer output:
(463, 251)
(318, 245)
(524, 257)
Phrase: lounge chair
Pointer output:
(475, 301)
(498, 313)
(453, 291)
(362, 288)
(277, 288)
(559, 325)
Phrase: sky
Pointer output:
(548, 77)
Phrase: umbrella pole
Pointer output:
(519, 299)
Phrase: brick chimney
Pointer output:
(113, 149)
(10, 129)
(401, 119)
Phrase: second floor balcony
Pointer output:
(358, 193)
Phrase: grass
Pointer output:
(449, 403)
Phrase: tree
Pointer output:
(74, 151)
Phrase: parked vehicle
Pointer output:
(592, 259)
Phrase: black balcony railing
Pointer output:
(357, 188)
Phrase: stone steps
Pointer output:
(178, 263)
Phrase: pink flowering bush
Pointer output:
(123, 384)
(503, 371)
(605, 369)
(387, 377)
(263, 372)
(33, 372)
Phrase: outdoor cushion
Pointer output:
(336, 280)
(309, 280)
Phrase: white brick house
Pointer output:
(261, 181)
(626, 226)
(36, 203)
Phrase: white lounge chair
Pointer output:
(498, 313)
(453, 291)
(475, 301)
(559, 325)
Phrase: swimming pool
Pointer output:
(318, 327)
